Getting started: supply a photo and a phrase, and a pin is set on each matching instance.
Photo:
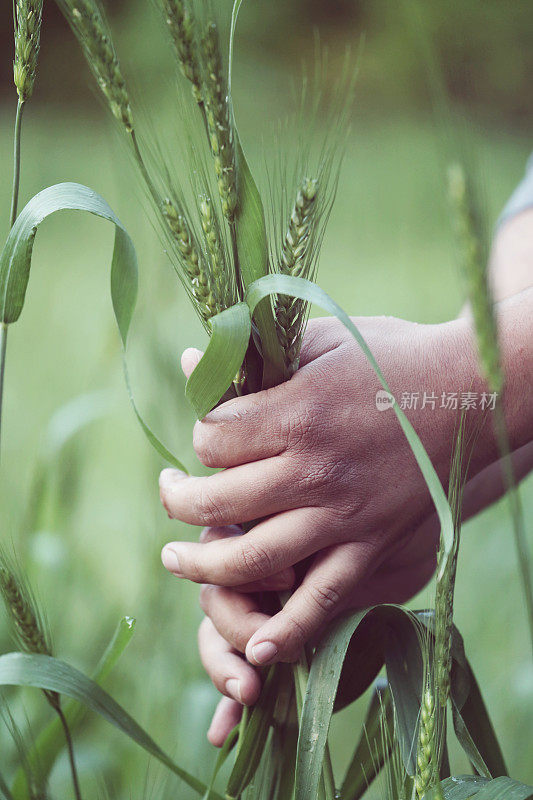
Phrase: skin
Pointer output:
(333, 481)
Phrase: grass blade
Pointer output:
(45, 672)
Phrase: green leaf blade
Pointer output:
(222, 359)
(45, 672)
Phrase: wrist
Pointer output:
(457, 355)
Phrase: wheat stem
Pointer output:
(70, 750)
(17, 138)
(474, 258)
(16, 162)
(516, 511)
(3, 348)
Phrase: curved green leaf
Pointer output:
(45, 672)
(222, 359)
(15, 261)
(306, 290)
(51, 740)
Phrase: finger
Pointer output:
(236, 616)
(228, 714)
(248, 428)
(271, 546)
(327, 585)
(279, 582)
(189, 360)
(231, 496)
(231, 675)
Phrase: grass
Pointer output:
(389, 228)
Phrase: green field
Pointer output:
(93, 547)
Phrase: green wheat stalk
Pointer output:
(27, 18)
(474, 258)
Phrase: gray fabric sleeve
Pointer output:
(522, 197)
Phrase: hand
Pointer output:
(332, 478)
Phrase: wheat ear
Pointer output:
(199, 282)
(297, 244)
(28, 627)
(88, 23)
(181, 25)
(427, 745)
(27, 19)
(474, 263)
(217, 256)
(219, 122)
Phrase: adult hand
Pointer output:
(333, 480)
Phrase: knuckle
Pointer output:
(296, 635)
(204, 446)
(322, 476)
(209, 506)
(300, 427)
(254, 560)
(324, 597)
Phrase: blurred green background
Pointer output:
(91, 542)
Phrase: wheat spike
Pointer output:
(474, 263)
(27, 20)
(87, 21)
(217, 257)
(427, 746)
(28, 628)
(290, 312)
(181, 25)
(199, 279)
(219, 122)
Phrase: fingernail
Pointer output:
(169, 476)
(233, 687)
(264, 652)
(170, 560)
(224, 413)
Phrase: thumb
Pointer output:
(189, 360)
